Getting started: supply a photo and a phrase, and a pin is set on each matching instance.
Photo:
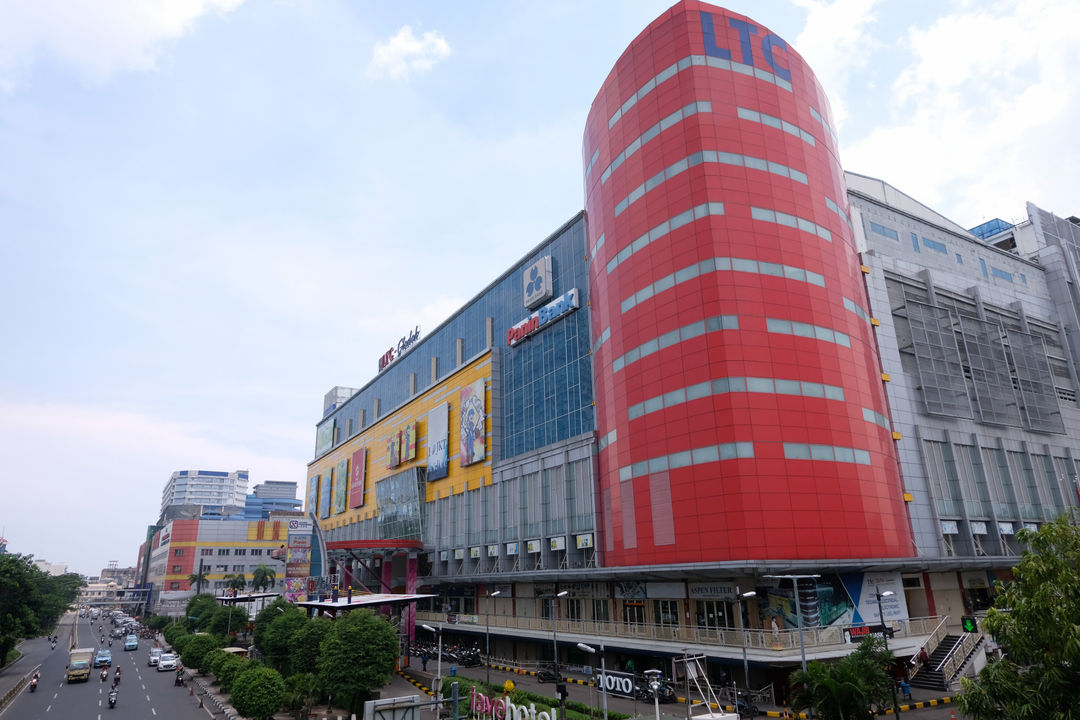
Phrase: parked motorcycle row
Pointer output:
(458, 655)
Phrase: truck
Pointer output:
(79, 661)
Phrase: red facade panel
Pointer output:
(739, 372)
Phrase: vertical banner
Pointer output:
(408, 442)
(341, 486)
(473, 441)
(357, 478)
(298, 555)
(324, 492)
(437, 442)
(393, 450)
(313, 494)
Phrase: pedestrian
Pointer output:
(923, 657)
(905, 689)
(423, 660)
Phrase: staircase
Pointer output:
(929, 678)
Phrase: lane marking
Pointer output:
(153, 711)
(147, 698)
(48, 708)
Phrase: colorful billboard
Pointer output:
(357, 478)
(324, 493)
(341, 486)
(313, 494)
(408, 442)
(298, 549)
(472, 426)
(438, 459)
(393, 451)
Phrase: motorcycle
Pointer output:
(546, 673)
(33, 684)
(104, 674)
(112, 698)
(745, 706)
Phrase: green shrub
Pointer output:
(258, 693)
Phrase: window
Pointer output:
(573, 608)
(178, 552)
(915, 241)
(667, 612)
(223, 551)
(982, 264)
(206, 551)
(884, 231)
(601, 611)
(238, 568)
(177, 568)
(174, 586)
(711, 614)
(935, 246)
(257, 551)
(959, 259)
(1001, 274)
(221, 568)
(240, 551)
(633, 612)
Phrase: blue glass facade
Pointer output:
(542, 389)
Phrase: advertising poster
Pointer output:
(341, 486)
(325, 486)
(472, 447)
(438, 445)
(296, 589)
(358, 478)
(313, 494)
(408, 443)
(393, 451)
(298, 549)
(863, 589)
(324, 438)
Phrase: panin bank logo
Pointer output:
(538, 286)
(540, 319)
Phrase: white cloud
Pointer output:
(96, 39)
(836, 42)
(404, 54)
(985, 116)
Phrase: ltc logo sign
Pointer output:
(537, 278)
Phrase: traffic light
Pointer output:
(969, 624)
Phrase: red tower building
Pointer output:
(740, 406)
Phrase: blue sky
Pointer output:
(213, 211)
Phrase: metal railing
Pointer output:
(958, 655)
(931, 645)
(780, 641)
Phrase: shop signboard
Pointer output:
(532, 546)
(584, 541)
(357, 478)
(616, 684)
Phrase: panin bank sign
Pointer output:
(562, 305)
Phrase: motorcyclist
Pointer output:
(104, 674)
(112, 696)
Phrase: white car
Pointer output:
(155, 654)
(167, 661)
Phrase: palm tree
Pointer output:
(846, 688)
(263, 577)
(237, 581)
(197, 579)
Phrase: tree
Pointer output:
(198, 611)
(847, 688)
(303, 692)
(258, 693)
(262, 577)
(31, 601)
(158, 622)
(227, 619)
(277, 640)
(1036, 621)
(196, 649)
(306, 643)
(236, 582)
(197, 579)
(230, 669)
(357, 656)
(266, 616)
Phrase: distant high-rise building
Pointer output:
(268, 497)
(51, 568)
(225, 491)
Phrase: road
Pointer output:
(144, 693)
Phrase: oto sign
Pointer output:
(616, 683)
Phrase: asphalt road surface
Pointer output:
(144, 693)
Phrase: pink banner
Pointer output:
(357, 478)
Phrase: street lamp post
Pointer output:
(885, 636)
(438, 671)
(739, 597)
(603, 673)
(555, 647)
(487, 634)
